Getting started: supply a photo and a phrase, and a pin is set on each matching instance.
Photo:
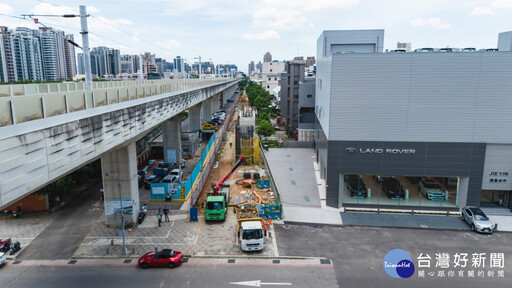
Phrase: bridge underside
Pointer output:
(36, 153)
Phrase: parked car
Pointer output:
(424, 50)
(215, 122)
(432, 190)
(177, 173)
(477, 219)
(170, 179)
(143, 171)
(356, 186)
(151, 179)
(2, 258)
(392, 188)
(230, 100)
(141, 179)
(164, 258)
(448, 49)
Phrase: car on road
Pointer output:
(151, 179)
(477, 219)
(2, 258)
(163, 258)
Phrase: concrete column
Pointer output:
(194, 117)
(207, 109)
(215, 103)
(122, 162)
(172, 139)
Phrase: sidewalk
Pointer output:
(195, 239)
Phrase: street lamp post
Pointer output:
(122, 210)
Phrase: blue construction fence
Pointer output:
(181, 191)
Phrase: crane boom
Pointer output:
(216, 188)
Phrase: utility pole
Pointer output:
(141, 73)
(85, 48)
(200, 68)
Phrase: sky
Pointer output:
(238, 31)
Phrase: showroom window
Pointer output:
(400, 190)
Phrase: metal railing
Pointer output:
(26, 102)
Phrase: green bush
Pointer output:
(265, 129)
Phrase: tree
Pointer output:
(262, 117)
(265, 129)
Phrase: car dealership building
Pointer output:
(412, 119)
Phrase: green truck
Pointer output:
(217, 205)
(217, 200)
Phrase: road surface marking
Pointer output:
(258, 283)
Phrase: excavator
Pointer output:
(218, 199)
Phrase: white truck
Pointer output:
(250, 229)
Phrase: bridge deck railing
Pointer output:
(26, 102)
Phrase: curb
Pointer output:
(377, 226)
(205, 257)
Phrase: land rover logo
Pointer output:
(351, 150)
(379, 151)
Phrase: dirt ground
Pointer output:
(226, 160)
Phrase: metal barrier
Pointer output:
(211, 159)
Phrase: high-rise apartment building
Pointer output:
(289, 93)
(161, 65)
(267, 57)
(178, 64)
(27, 54)
(149, 63)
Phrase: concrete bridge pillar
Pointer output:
(172, 139)
(207, 109)
(215, 103)
(121, 163)
(194, 117)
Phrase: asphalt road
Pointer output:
(187, 275)
(358, 253)
(63, 236)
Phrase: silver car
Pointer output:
(477, 220)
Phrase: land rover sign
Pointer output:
(379, 151)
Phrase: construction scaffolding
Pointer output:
(247, 141)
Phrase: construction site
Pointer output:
(249, 183)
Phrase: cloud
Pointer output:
(502, 4)
(482, 10)
(331, 5)
(309, 5)
(435, 23)
(6, 9)
(278, 19)
(170, 44)
(267, 35)
(491, 8)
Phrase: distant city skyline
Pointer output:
(238, 32)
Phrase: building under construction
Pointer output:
(247, 141)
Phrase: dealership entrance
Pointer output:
(496, 198)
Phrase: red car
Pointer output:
(164, 258)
